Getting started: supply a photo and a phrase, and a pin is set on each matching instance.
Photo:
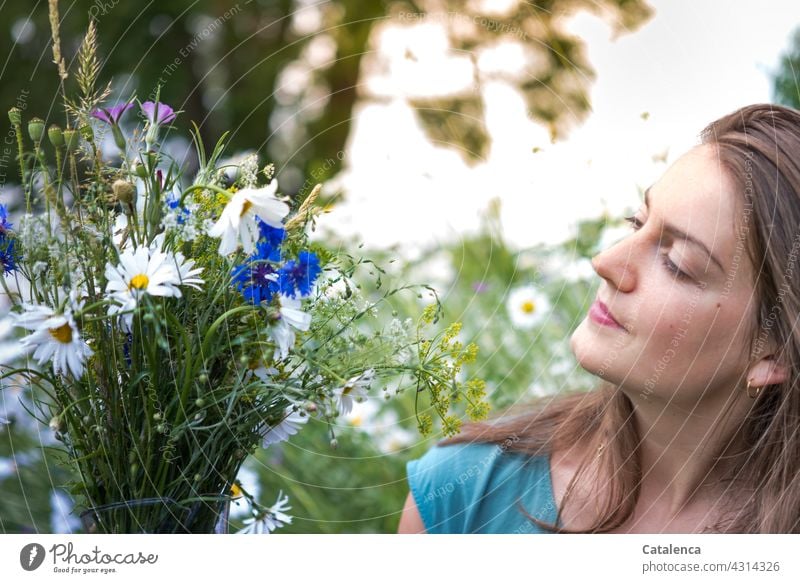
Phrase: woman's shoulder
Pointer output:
(477, 488)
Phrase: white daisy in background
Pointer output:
(55, 337)
(10, 348)
(611, 236)
(238, 222)
(272, 518)
(355, 389)
(62, 521)
(564, 266)
(527, 305)
(290, 424)
(291, 318)
(539, 390)
(7, 467)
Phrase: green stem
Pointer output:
(21, 158)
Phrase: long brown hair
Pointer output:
(758, 147)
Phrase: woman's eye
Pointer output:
(670, 266)
(636, 224)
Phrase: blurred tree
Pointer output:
(288, 73)
(786, 83)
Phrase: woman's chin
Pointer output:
(596, 355)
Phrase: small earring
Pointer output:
(750, 393)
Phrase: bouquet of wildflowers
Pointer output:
(171, 324)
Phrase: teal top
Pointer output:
(474, 488)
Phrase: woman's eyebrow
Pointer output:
(685, 236)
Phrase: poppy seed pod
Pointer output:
(36, 129)
(15, 116)
(140, 170)
(71, 139)
(124, 191)
(56, 136)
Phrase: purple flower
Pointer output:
(157, 113)
(111, 115)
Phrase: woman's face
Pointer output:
(684, 336)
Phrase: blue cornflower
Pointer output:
(257, 278)
(4, 224)
(7, 258)
(273, 237)
(299, 276)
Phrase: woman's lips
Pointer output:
(599, 313)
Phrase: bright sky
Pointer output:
(691, 63)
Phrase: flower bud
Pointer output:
(334, 443)
(310, 406)
(124, 191)
(15, 116)
(36, 129)
(119, 139)
(156, 416)
(71, 139)
(140, 170)
(200, 403)
(57, 424)
(197, 477)
(55, 136)
(87, 133)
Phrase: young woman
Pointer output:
(695, 333)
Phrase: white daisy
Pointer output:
(144, 271)
(290, 424)
(272, 518)
(55, 337)
(250, 483)
(527, 306)
(238, 221)
(187, 274)
(291, 318)
(353, 390)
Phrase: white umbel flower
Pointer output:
(238, 222)
(355, 389)
(291, 423)
(291, 318)
(526, 306)
(55, 337)
(272, 518)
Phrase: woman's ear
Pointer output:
(767, 371)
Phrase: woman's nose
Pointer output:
(615, 265)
